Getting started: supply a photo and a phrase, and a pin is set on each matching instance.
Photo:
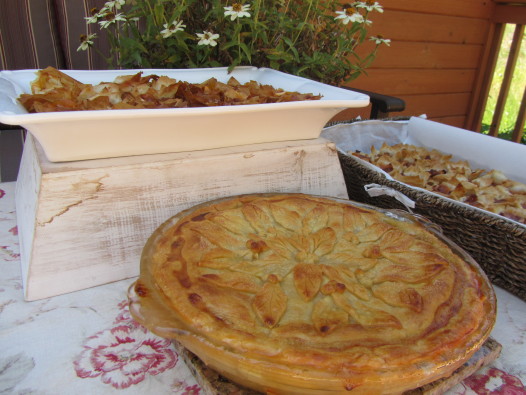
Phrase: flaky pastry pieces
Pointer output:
(437, 172)
(54, 90)
(300, 294)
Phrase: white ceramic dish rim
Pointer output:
(13, 83)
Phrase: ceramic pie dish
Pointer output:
(299, 294)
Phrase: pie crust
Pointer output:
(292, 293)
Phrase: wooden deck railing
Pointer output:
(505, 13)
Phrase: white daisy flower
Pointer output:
(95, 15)
(115, 4)
(370, 6)
(349, 15)
(207, 38)
(110, 18)
(92, 19)
(380, 40)
(237, 10)
(86, 41)
(172, 28)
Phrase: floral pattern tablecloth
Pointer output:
(86, 342)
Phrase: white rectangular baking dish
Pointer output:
(79, 135)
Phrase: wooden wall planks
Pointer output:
(434, 58)
(402, 82)
(414, 26)
(466, 8)
(413, 54)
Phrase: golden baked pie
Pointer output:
(292, 293)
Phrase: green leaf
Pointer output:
(291, 46)
(158, 14)
(228, 45)
(246, 51)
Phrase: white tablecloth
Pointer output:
(86, 342)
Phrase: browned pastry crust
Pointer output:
(324, 290)
(54, 90)
(437, 172)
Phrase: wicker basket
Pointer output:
(496, 243)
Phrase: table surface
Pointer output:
(86, 342)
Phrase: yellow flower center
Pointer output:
(237, 7)
(110, 16)
(350, 11)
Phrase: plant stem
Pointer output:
(304, 22)
(254, 37)
(278, 31)
(239, 40)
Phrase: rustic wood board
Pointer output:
(212, 383)
(84, 223)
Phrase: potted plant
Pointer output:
(309, 38)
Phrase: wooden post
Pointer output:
(483, 85)
(506, 81)
(518, 130)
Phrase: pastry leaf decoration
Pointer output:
(270, 303)
(307, 280)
